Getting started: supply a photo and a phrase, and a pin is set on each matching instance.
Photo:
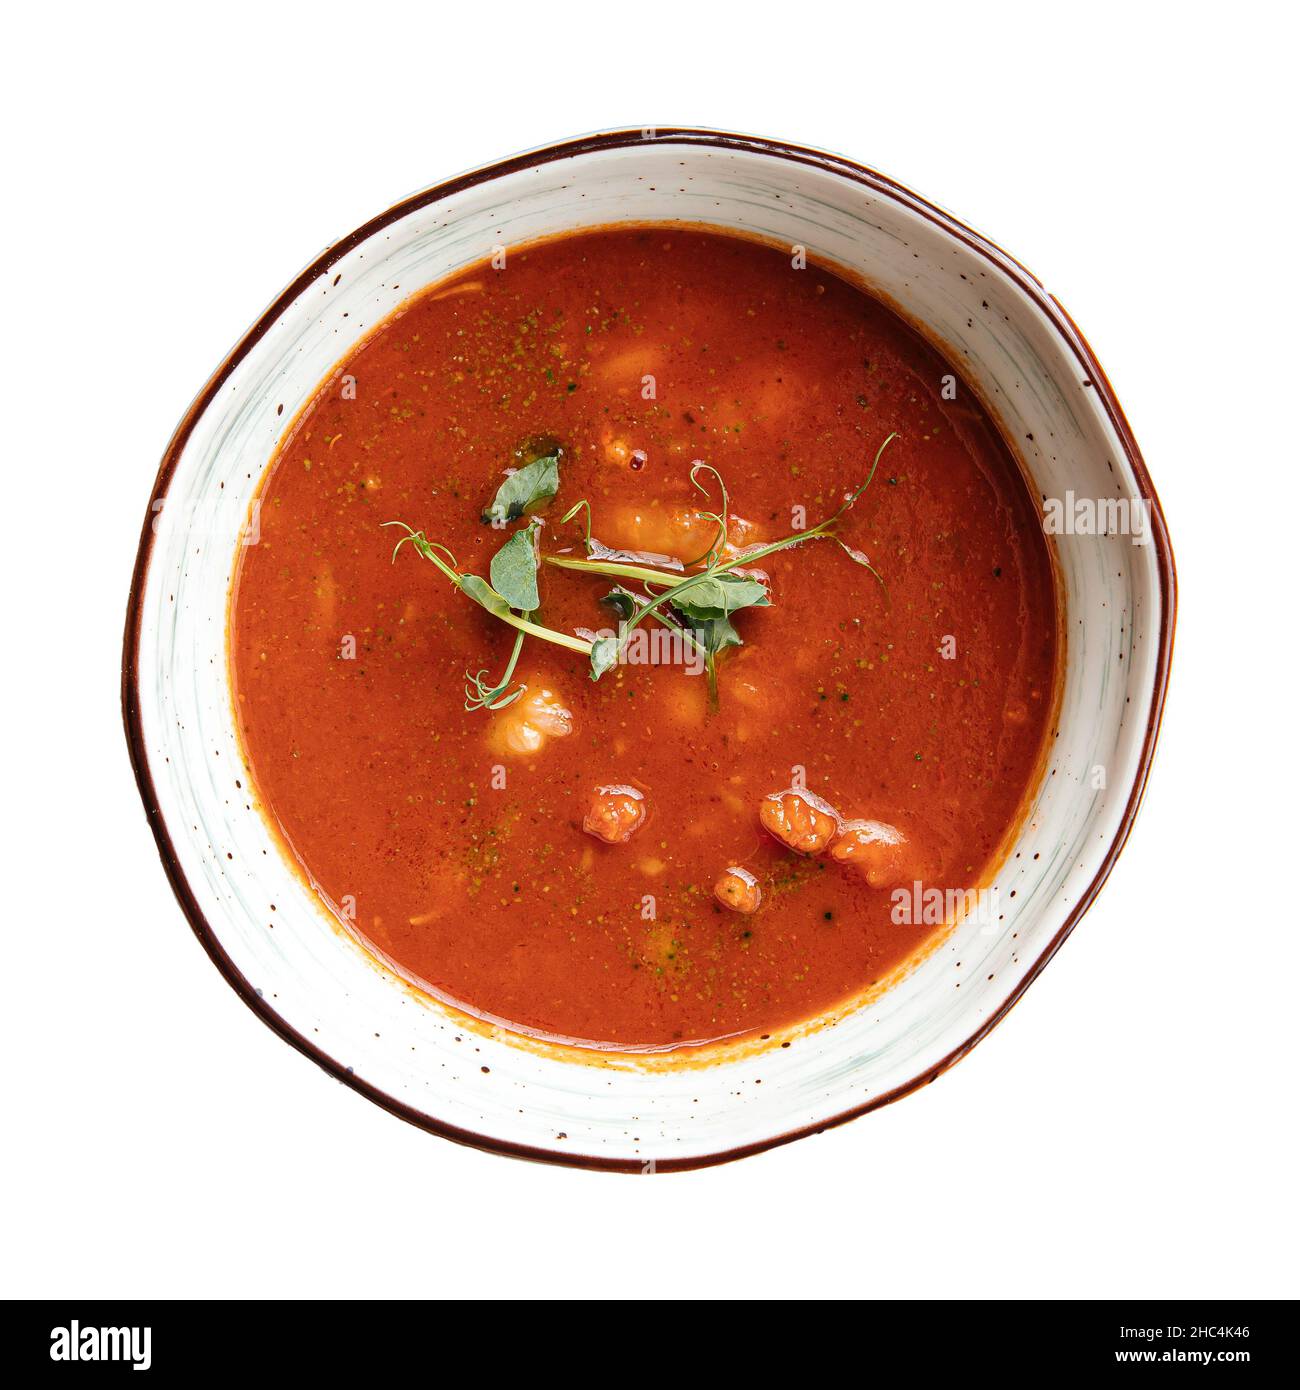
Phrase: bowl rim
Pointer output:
(598, 142)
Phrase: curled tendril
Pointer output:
(439, 554)
(583, 506)
(710, 556)
(862, 487)
(480, 695)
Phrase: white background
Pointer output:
(1130, 1130)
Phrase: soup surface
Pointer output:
(670, 853)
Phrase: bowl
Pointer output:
(315, 985)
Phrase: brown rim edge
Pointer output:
(607, 140)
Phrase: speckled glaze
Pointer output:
(317, 987)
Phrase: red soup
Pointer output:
(720, 633)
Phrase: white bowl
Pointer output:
(317, 987)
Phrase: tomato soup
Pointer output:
(720, 631)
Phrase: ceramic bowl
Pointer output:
(320, 990)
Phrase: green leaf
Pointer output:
(525, 490)
(715, 634)
(604, 654)
(484, 594)
(622, 602)
(719, 595)
(514, 571)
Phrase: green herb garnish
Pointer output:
(479, 694)
(514, 570)
(716, 597)
(699, 604)
(708, 597)
(525, 491)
